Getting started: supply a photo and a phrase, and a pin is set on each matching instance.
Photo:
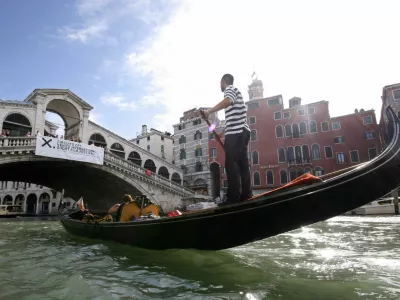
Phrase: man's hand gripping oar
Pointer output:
(203, 115)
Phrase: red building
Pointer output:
(303, 138)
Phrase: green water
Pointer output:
(343, 258)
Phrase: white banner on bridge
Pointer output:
(56, 148)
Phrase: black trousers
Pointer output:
(237, 166)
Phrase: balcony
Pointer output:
(299, 162)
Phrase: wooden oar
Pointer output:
(209, 125)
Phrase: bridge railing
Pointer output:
(14, 142)
(133, 167)
(29, 143)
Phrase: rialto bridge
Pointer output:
(123, 170)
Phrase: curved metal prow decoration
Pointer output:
(391, 115)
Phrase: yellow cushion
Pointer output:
(129, 210)
(152, 208)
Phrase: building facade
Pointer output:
(34, 199)
(156, 142)
(303, 138)
(219, 182)
(191, 150)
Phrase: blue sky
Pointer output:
(146, 61)
(62, 44)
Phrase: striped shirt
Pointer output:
(236, 112)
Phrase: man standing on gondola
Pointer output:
(237, 137)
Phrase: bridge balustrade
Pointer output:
(29, 144)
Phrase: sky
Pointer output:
(147, 61)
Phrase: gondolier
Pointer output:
(237, 137)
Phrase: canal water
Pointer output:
(342, 258)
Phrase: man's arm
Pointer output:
(223, 104)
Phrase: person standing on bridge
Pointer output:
(237, 137)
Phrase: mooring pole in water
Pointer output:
(395, 195)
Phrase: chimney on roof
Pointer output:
(295, 101)
(356, 111)
(144, 129)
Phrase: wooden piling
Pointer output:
(395, 195)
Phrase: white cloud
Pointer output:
(95, 117)
(100, 15)
(119, 101)
(90, 7)
(84, 34)
(311, 49)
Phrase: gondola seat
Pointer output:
(129, 211)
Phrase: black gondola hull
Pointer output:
(263, 217)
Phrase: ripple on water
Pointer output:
(343, 258)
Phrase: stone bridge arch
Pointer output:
(100, 185)
(69, 113)
(72, 110)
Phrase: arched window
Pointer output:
(197, 135)
(182, 154)
(135, 158)
(256, 179)
(290, 155)
(254, 157)
(150, 165)
(163, 171)
(318, 171)
(306, 154)
(98, 140)
(279, 131)
(293, 174)
(316, 154)
(313, 126)
(300, 172)
(281, 155)
(19, 200)
(198, 152)
(176, 178)
(182, 139)
(284, 178)
(118, 150)
(307, 170)
(270, 177)
(288, 130)
(8, 200)
(295, 130)
(298, 154)
(17, 125)
(303, 128)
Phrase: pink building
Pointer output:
(303, 138)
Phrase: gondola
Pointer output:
(262, 216)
